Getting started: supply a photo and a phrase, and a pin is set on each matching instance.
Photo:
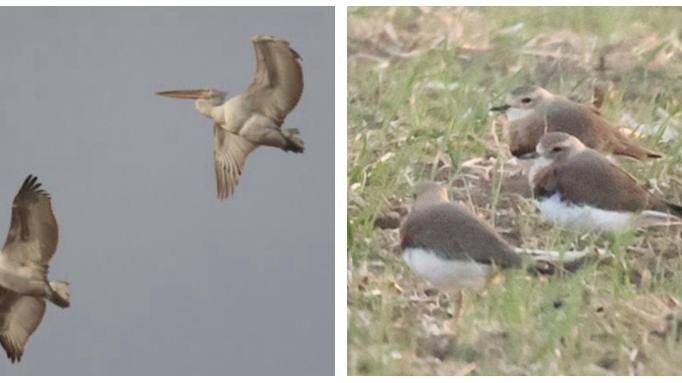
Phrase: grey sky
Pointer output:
(165, 278)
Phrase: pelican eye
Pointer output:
(556, 149)
(525, 100)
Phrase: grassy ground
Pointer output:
(420, 83)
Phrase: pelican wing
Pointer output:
(278, 83)
(230, 152)
(33, 232)
(20, 316)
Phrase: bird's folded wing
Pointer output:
(457, 234)
(19, 318)
(33, 232)
(588, 180)
(230, 153)
(278, 84)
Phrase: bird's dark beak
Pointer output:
(529, 156)
(191, 94)
(500, 108)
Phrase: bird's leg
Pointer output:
(460, 305)
(59, 293)
(294, 143)
(262, 131)
(452, 325)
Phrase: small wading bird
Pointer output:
(579, 188)
(254, 117)
(453, 249)
(31, 242)
(533, 111)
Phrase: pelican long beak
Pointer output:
(192, 94)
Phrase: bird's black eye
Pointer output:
(556, 149)
(525, 100)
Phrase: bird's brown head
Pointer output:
(523, 98)
(527, 97)
(427, 193)
(558, 145)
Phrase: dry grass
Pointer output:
(420, 83)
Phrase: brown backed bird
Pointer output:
(579, 188)
(533, 111)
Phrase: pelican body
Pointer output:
(24, 286)
(254, 117)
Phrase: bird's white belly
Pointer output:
(583, 218)
(446, 274)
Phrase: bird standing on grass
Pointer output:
(24, 287)
(254, 117)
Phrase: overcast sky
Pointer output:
(165, 278)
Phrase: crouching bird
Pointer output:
(533, 111)
(453, 249)
(582, 190)
(24, 287)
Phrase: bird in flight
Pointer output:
(30, 244)
(254, 117)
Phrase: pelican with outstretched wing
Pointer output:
(254, 117)
(31, 242)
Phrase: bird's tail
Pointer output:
(60, 293)
(294, 143)
(626, 146)
(662, 213)
(675, 210)
(548, 261)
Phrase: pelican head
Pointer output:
(207, 100)
(213, 96)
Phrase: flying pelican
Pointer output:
(255, 116)
(31, 242)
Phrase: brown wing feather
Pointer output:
(19, 318)
(278, 84)
(580, 121)
(456, 234)
(33, 223)
(230, 152)
(590, 179)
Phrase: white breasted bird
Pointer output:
(24, 287)
(533, 111)
(254, 117)
(579, 188)
(453, 249)
(450, 247)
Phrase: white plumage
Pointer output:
(446, 274)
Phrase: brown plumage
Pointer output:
(436, 224)
(584, 176)
(539, 112)
(278, 84)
